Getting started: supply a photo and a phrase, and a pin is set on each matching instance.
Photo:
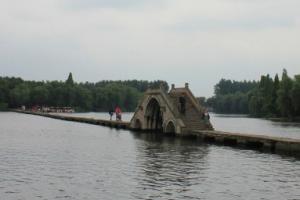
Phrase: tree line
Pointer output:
(100, 96)
(269, 97)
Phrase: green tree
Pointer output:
(70, 81)
(39, 95)
(83, 98)
(100, 96)
(131, 98)
(265, 92)
(255, 104)
(4, 91)
(284, 100)
(276, 85)
(19, 96)
(295, 94)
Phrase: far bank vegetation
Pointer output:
(100, 96)
(270, 97)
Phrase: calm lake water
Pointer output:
(230, 123)
(42, 158)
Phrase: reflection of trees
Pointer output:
(168, 166)
(286, 124)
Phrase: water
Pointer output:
(42, 158)
(230, 123)
(244, 124)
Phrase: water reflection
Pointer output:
(286, 124)
(42, 158)
(169, 166)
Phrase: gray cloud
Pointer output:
(235, 24)
(94, 4)
(192, 41)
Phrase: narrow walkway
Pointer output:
(272, 144)
(110, 123)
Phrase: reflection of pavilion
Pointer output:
(169, 165)
(177, 111)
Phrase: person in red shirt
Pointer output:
(118, 112)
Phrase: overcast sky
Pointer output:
(195, 41)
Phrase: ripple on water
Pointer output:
(50, 159)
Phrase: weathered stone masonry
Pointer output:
(176, 111)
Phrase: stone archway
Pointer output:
(153, 116)
(170, 128)
(137, 124)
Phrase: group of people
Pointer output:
(118, 112)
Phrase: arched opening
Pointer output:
(170, 128)
(153, 116)
(137, 124)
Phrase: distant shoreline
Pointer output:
(282, 119)
(275, 119)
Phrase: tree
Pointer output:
(83, 98)
(266, 98)
(100, 96)
(231, 96)
(295, 95)
(39, 95)
(19, 96)
(265, 92)
(255, 104)
(284, 100)
(276, 85)
(70, 81)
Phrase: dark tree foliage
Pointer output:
(100, 96)
(275, 109)
(266, 98)
(295, 95)
(231, 96)
(70, 80)
(284, 100)
(229, 87)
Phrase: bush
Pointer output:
(3, 106)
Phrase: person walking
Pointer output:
(118, 112)
(111, 112)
